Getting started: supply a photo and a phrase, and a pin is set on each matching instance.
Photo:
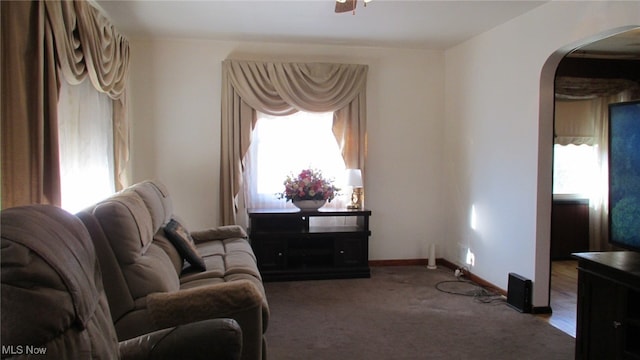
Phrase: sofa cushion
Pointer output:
(188, 279)
(157, 201)
(128, 227)
(223, 259)
(225, 247)
(241, 263)
(162, 240)
(127, 223)
(211, 248)
(219, 233)
(180, 238)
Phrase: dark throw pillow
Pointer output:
(180, 238)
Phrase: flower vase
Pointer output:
(309, 205)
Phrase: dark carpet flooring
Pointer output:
(399, 314)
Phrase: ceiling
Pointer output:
(623, 46)
(416, 24)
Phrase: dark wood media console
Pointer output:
(608, 318)
(290, 246)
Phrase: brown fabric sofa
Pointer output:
(54, 306)
(150, 285)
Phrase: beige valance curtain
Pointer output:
(577, 88)
(283, 89)
(575, 122)
(44, 42)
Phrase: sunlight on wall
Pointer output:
(473, 218)
(465, 252)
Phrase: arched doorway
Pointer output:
(604, 42)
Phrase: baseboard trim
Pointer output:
(411, 262)
(441, 262)
(399, 262)
(541, 310)
(446, 263)
(484, 283)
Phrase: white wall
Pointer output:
(493, 113)
(175, 111)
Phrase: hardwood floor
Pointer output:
(564, 289)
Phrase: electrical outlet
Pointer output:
(470, 258)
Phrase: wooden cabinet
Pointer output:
(608, 317)
(569, 227)
(323, 244)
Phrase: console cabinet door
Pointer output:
(351, 251)
(271, 253)
(601, 318)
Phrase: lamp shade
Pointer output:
(354, 178)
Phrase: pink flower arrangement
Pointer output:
(308, 185)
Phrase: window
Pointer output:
(86, 145)
(282, 145)
(575, 170)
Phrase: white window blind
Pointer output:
(282, 145)
(575, 170)
(86, 145)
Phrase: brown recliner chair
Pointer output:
(53, 302)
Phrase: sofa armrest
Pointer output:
(239, 300)
(209, 339)
(204, 302)
(219, 233)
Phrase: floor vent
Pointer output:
(519, 293)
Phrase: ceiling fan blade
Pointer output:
(348, 5)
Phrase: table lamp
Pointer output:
(354, 179)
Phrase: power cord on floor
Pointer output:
(479, 293)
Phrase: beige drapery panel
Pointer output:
(44, 42)
(283, 89)
(587, 122)
(599, 202)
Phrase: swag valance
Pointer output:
(576, 88)
(44, 42)
(283, 89)
(88, 45)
